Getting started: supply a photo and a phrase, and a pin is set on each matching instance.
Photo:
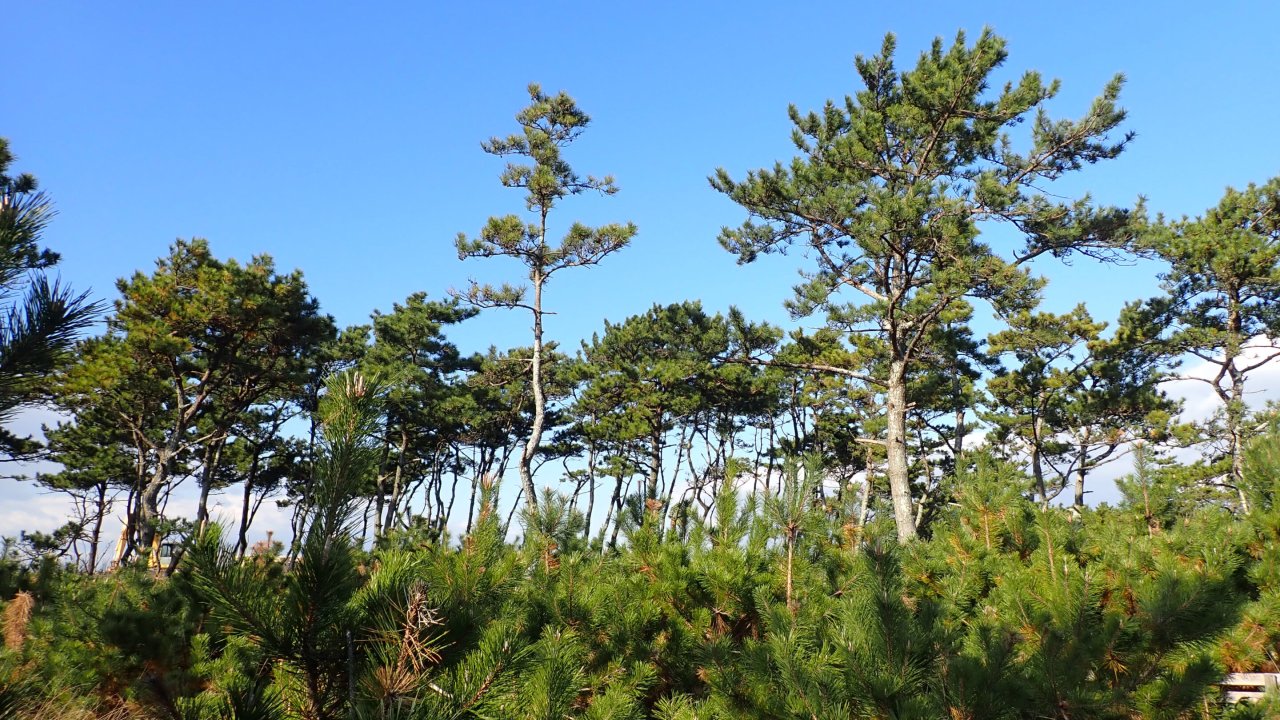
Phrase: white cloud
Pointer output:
(28, 507)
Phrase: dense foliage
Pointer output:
(772, 607)
(712, 517)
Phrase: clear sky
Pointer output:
(343, 138)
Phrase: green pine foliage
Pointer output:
(40, 318)
(770, 607)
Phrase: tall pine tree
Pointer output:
(547, 125)
(1223, 299)
(891, 188)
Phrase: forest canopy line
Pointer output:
(693, 514)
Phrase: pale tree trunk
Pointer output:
(378, 484)
(1079, 499)
(212, 456)
(1037, 464)
(1082, 468)
(1037, 468)
(655, 466)
(1079, 477)
(791, 550)
(397, 484)
(864, 501)
(149, 502)
(539, 400)
(591, 490)
(896, 438)
(1235, 401)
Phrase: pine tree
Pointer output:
(425, 403)
(36, 332)
(1074, 400)
(548, 124)
(655, 373)
(303, 619)
(191, 348)
(888, 194)
(1223, 299)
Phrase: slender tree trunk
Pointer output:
(453, 496)
(591, 490)
(1235, 427)
(437, 488)
(929, 487)
(1081, 469)
(1037, 458)
(768, 475)
(791, 549)
(896, 438)
(378, 485)
(242, 537)
(149, 501)
(669, 487)
(1037, 474)
(208, 473)
(539, 400)
(655, 466)
(958, 448)
(1078, 502)
(615, 513)
(864, 504)
(296, 524)
(396, 484)
(1235, 404)
(202, 511)
(95, 538)
(471, 503)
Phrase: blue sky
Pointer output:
(343, 139)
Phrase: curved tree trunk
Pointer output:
(149, 499)
(208, 474)
(539, 399)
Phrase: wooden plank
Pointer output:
(1259, 679)
(1249, 686)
